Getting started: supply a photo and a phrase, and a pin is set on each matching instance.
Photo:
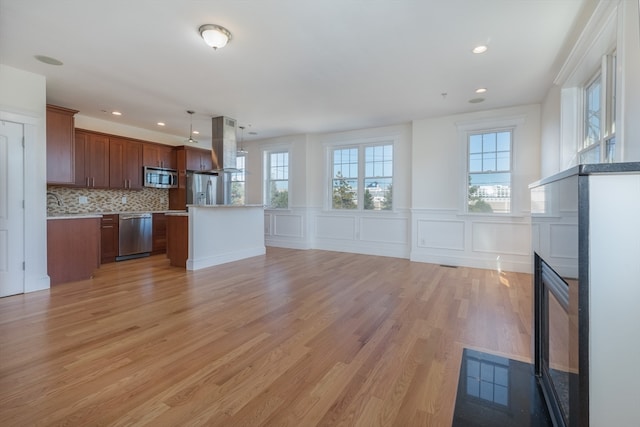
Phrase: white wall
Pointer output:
(550, 133)
(23, 100)
(113, 128)
(442, 232)
(629, 50)
(309, 222)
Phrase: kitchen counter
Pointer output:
(74, 216)
(77, 215)
(73, 247)
(215, 234)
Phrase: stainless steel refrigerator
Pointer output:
(201, 188)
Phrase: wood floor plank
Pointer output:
(291, 338)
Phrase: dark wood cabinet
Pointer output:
(60, 145)
(91, 159)
(157, 155)
(125, 164)
(187, 159)
(178, 240)
(159, 234)
(197, 159)
(73, 249)
(109, 238)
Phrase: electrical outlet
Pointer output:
(83, 200)
(124, 199)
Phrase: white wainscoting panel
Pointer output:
(445, 236)
(386, 230)
(440, 234)
(513, 239)
(336, 227)
(267, 224)
(288, 225)
(563, 238)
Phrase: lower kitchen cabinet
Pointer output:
(159, 234)
(73, 248)
(109, 238)
(178, 240)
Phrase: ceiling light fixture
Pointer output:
(215, 35)
(48, 60)
(160, 123)
(480, 49)
(116, 113)
(481, 90)
(190, 139)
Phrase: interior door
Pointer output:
(11, 209)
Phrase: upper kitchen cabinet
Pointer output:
(125, 164)
(92, 159)
(60, 145)
(156, 155)
(198, 159)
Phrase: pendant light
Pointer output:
(191, 140)
(242, 150)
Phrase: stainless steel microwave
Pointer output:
(160, 177)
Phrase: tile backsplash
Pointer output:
(94, 200)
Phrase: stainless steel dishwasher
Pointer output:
(134, 236)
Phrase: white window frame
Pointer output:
(241, 173)
(598, 39)
(604, 144)
(268, 180)
(474, 127)
(361, 146)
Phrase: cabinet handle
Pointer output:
(93, 182)
(107, 226)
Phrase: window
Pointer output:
(599, 118)
(489, 171)
(277, 182)
(238, 182)
(368, 167)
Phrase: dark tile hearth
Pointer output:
(497, 392)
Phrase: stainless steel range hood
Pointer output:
(223, 154)
(223, 144)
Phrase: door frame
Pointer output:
(35, 189)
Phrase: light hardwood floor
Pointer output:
(292, 338)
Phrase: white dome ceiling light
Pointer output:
(215, 35)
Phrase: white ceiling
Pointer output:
(293, 66)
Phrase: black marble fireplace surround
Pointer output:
(494, 391)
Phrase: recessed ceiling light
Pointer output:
(160, 123)
(48, 60)
(481, 90)
(476, 100)
(116, 113)
(195, 132)
(479, 49)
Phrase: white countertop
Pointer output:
(225, 206)
(78, 215)
(74, 216)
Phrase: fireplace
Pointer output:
(557, 341)
(585, 234)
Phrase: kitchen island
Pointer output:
(216, 234)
